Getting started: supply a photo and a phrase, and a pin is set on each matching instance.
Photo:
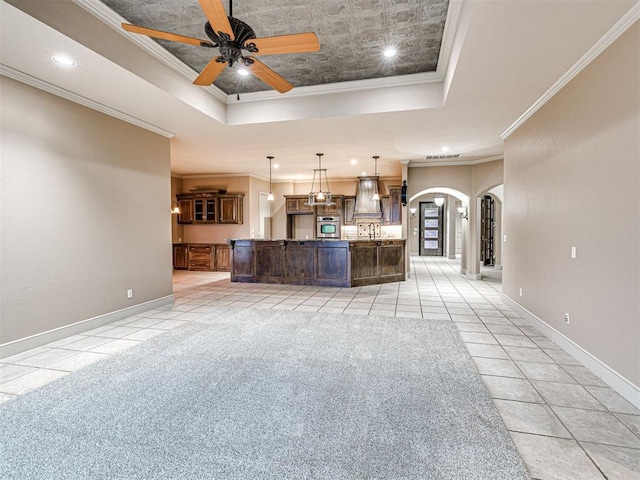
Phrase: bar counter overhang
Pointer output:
(325, 262)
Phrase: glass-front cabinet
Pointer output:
(204, 208)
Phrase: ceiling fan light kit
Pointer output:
(232, 36)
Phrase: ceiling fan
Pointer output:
(232, 36)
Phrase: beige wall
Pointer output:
(572, 178)
(85, 213)
(457, 177)
(278, 209)
(221, 233)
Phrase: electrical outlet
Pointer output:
(574, 252)
(567, 318)
(505, 238)
(520, 292)
(130, 293)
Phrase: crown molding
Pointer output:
(448, 36)
(213, 176)
(611, 36)
(339, 87)
(189, 176)
(87, 102)
(457, 163)
(113, 20)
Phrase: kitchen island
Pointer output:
(327, 262)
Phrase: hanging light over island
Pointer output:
(270, 196)
(320, 197)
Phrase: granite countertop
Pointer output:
(352, 240)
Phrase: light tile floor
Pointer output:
(566, 423)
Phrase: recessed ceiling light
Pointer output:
(390, 52)
(276, 166)
(66, 61)
(354, 161)
(445, 149)
(364, 173)
(243, 71)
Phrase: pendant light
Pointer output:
(320, 197)
(376, 195)
(270, 196)
(438, 200)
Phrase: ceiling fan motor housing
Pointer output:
(231, 50)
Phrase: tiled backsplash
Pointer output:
(350, 232)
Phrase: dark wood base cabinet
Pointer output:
(206, 257)
(335, 263)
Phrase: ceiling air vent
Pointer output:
(441, 157)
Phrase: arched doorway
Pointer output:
(490, 224)
(436, 229)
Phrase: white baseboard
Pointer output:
(473, 276)
(612, 378)
(39, 339)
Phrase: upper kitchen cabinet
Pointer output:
(395, 205)
(230, 207)
(392, 206)
(298, 204)
(204, 208)
(186, 209)
(210, 208)
(348, 209)
(331, 210)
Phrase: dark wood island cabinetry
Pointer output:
(337, 263)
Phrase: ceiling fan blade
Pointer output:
(151, 32)
(210, 73)
(269, 77)
(214, 10)
(295, 43)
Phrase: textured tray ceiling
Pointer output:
(352, 34)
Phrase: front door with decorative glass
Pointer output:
(431, 229)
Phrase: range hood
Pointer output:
(367, 214)
(366, 206)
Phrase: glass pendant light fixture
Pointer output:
(320, 197)
(270, 196)
(376, 195)
(438, 199)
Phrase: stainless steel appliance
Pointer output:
(328, 227)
